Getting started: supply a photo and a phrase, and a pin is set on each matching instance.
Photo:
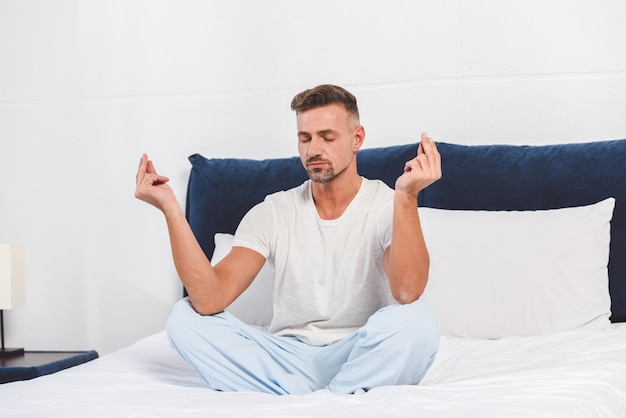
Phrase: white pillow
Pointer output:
(504, 273)
(254, 305)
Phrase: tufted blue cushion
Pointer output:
(495, 177)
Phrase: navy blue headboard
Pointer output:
(494, 177)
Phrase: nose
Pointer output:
(315, 147)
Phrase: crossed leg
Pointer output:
(396, 346)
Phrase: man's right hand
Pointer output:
(210, 289)
(152, 187)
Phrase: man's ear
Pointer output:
(358, 138)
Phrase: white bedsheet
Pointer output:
(574, 374)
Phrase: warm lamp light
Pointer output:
(12, 287)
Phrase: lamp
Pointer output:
(12, 287)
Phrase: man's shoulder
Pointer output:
(377, 186)
(301, 191)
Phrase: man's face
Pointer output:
(327, 141)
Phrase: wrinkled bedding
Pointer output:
(571, 374)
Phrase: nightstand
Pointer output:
(39, 363)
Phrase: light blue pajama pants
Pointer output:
(395, 347)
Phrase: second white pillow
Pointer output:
(500, 273)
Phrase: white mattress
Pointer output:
(574, 374)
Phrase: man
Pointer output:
(350, 263)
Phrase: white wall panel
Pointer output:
(541, 110)
(543, 37)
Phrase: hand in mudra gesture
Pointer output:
(421, 171)
(152, 187)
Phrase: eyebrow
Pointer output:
(320, 133)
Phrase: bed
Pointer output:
(528, 276)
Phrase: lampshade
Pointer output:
(12, 276)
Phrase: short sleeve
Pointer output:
(385, 224)
(256, 229)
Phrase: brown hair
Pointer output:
(324, 95)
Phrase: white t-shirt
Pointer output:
(328, 274)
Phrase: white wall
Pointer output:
(86, 86)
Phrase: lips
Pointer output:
(316, 163)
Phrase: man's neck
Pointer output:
(331, 199)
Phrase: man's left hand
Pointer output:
(421, 171)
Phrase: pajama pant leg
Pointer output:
(232, 356)
(396, 346)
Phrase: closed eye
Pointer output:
(303, 137)
(328, 134)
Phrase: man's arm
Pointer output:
(211, 289)
(406, 260)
